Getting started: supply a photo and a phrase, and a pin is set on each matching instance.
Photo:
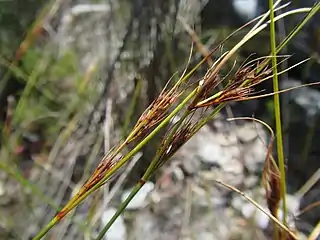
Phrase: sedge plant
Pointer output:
(181, 101)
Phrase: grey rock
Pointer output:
(249, 211)
(306, 97)
(251, 181)
(254, 156)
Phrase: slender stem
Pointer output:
(77, 201)
(315, 232)
(121, 208)
(315, 9)
(204, 121)
(151, 168)
(278, 112)
(144, 141)
(46, 229)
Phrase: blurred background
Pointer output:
(75, 75)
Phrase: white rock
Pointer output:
(247, 132)
(255, 155)
(246, 8)
(248, 210)
(225, 138)
(211, 153)
(140, 199)
(292, 204)
(118, 230)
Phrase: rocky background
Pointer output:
(78, 81)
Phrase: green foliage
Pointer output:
(64, 67)
(52, 94)
(16, 17)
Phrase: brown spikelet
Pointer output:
(106, 164)
(238, 88)
(179, 138)
(273, 193)
(226, 96)
(210, 83)
(171, 145)
(271, 182)
(154, 113)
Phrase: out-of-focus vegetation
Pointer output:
(16, 18)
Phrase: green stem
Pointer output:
(278, 112)
(151, 168)
(294, 32)
(46, 229)
(144, 141)
(120, 163)
(121, 208)
(203, 122)
(156, 130)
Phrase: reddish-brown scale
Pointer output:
(37, 30)
(206, 89)
(142, 181)
(61, 214)
(20, 52)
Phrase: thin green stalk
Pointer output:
(145, 140)
(315, 232)
(56, 219)
(141, 144)
(138, 186)
(134, 191)
(121, 208)
(278, 113)
(73, 203)
(124, 204)
(311, 12)
(30, 34)
(299, 26)
(46, 229)
(154, 163)
(151, 168)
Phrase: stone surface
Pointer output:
(140, 199)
